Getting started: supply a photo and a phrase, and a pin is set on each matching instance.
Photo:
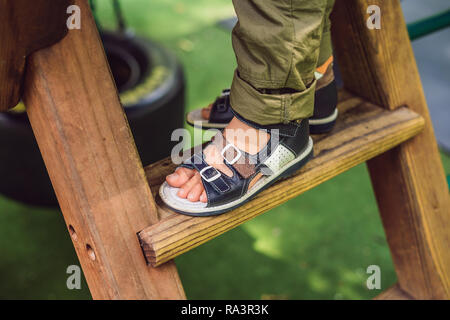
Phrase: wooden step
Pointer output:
(362, 132)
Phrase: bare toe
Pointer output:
(203, 197)
(180, 177)
(194, 194)
(206, 112)
(187, 187)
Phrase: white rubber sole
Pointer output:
(331, 118)
(169, 194)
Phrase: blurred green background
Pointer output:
(317, 246)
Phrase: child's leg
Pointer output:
(325, 101)
(277, 47)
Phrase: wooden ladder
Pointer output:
(126, 241)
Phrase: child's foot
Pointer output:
(238, 133)
(235, 166)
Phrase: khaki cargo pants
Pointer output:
(278, 45)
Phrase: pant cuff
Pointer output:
(265, 109)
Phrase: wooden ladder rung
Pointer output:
(362, 132)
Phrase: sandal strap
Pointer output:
(219, 187)
(221, 111)
(234, 157)
(223, 102)
(209, 174)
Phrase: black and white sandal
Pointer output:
(282, 156)
(220, 114)
(325, 109)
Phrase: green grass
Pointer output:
(316, 246)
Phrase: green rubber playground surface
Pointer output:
(317, 246)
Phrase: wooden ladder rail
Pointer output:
(87, 146)
(409, 181)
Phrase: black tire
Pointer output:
(22, 170)
(151, 84)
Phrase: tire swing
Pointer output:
(151, 87)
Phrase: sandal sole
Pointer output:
(323, 125)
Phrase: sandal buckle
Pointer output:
(235, 159)
(211, 179)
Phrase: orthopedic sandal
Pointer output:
(282, 156)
